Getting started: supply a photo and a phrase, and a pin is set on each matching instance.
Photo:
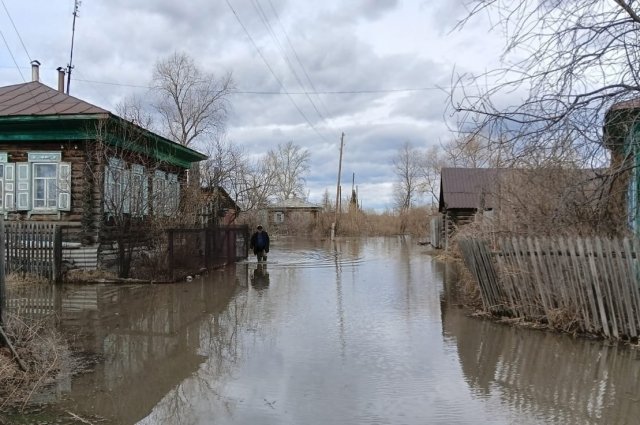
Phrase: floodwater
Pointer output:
(352, 332)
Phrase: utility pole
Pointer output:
(73, 34)
(335, 221)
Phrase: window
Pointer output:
(45, 186)
(42, 184)
(114, 186)
(139, 191)
(278, 217)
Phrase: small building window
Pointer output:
(278, 217)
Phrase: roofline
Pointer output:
(189, 154)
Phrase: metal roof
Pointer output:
(36, 103)
(466, 187)
(294, 203)
(35, 98)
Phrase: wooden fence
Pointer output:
(587, 285)
(190, 250)
(32, 248)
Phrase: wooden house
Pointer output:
(219, 207)
(68, 162)
(292, 215)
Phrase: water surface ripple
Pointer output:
(351, 332)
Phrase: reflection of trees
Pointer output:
(149, 341)
(562, 380)
(217, 340)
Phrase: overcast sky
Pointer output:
(381, 69)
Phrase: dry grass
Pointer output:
(43, 351)
(84, 276)
(19, 279)
(360, 223)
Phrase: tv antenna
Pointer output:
(76, 7)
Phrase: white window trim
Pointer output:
(32, 182)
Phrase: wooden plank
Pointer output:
(625, 287)
(607, 287)
(594, 282)
(632, 274)
(507, 279)
(570, 260)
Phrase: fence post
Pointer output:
(57, 254)
(171, 253)
(207, 248)
(3, 293)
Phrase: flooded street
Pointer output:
(352, 332)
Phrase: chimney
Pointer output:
(35, 70)
(61, 79)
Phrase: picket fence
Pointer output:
(587, 285)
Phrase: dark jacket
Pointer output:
(254, 240)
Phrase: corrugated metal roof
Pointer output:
(626, 104)
(294, 203)
(467, 187)
(35, 98)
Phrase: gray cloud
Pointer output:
(338, 42)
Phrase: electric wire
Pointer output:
(272, 71)
(12, 57)
(285, 56)
(295, 53)
(16, 30)
(284, 93)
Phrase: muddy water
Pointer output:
(353, 332)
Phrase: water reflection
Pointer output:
(549, 377)
(352, 331)
(260, 277)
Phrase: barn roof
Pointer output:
(467, 188)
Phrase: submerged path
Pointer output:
(352, 332)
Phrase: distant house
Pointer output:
(68, 162)
(219, 206)
(465, 191)
(529, 201)
(290, 215)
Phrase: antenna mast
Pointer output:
(73, 33)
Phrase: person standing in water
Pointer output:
(260, 244)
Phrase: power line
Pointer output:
(295, 53)
(284, 93)
(12, 57)
(266, 23)
(16, 30)
(272, 71)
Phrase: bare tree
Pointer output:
(290, 165)
(407, 169)
(571, 59)
(192, 103)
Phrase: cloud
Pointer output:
(352, 51)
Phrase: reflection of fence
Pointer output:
(194, 249)
(33, 301)
(33, 248)
(590, 284)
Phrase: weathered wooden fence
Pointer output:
(587, 284)
(32, 248)
(190, 250)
